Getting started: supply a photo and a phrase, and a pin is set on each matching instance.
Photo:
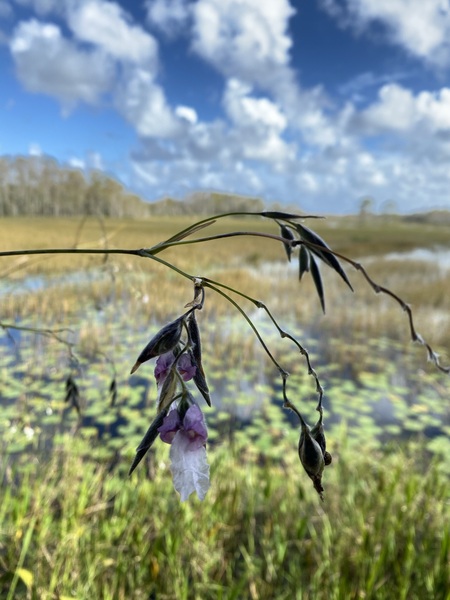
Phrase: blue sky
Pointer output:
(313, 103)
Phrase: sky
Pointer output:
(313, 103)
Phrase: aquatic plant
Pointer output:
(177, 346)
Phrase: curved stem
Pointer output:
(379, 289)
(283, 373)
(160, 247)
(283, 334)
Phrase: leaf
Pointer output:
(303, 261)
(328, 258)
(148, 439)
(287, 234)
(26, 576)
(315, 273)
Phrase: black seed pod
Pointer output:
(318, 433)
(166, 339)
(287, 234)
(311, 457)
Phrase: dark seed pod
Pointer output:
(318, 433)
(148, 439)
(287, 234)
(194, 335)
(311, 457)
(315, 273)
(202, 386)
(303, 261)
(166, 339)
(328, 258)
(113, 391)
(72, 394)
(196, 358)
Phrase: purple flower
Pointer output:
(193, 427)
(164, 363)
(170, 426)
(189, 465)
(186, 368)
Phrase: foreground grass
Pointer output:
(71, 529)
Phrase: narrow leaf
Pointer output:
(303, 261)
(148, 439)
(317, 280)
(328, 258)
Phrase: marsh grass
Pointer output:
(382, 533)
(72, 525)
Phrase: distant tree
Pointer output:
(366, 207)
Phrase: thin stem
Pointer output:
(283, 334)
(141, 252)
(209, 220)
(379, 289)
(288, 404)
(250, 322)
(218, 236)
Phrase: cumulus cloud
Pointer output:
(258, 125)
(246, 39)
(107, 26)
(397, 109)
(421, 27)
(169, 16)
(48, 63)
(143, 104)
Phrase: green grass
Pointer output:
(73, 525)
(72, 529)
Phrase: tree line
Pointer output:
(40, 186)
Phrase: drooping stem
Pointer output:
(250, 322)
(282, 332)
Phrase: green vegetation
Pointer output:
(73, 525)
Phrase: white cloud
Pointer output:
(246, 39)
(48, 63)
(398, 110)
(170, 16)
(108, 27)
(421, 27)
(258, 125)
(187, 113)
(144, 105)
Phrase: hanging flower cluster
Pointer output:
(179, 421)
